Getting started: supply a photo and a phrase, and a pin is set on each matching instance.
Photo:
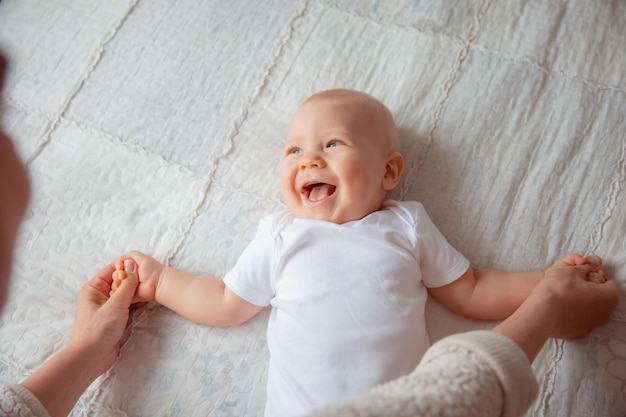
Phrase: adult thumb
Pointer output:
(123, 296)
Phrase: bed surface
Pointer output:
(158, 126)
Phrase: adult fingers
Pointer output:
(123, 296)
(563, 269)
(594, 260)
(572, 259)
(100, 283)
(609, 291)
(602, 298)
(596, 277)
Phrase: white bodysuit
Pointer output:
(348, 300)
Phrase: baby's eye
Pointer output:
(293, 150)
(333, 143)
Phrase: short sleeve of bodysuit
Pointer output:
(256, 265)
(439, 262)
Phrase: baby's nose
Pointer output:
(312, 161)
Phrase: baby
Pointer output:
(346, 271)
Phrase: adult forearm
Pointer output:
(60, 382)
(567, 303)
(530, 326)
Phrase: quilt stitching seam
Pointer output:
(549, 379)
(52, 126)
(453, 38)
(548, 71)
(447, 88)
(237, 123)
(615, 188)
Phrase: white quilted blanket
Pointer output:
(157, 125)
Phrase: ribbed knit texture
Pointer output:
(17, 401)
(478, 374)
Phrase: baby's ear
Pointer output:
(393, 171)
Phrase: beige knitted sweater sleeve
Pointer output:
(17, 401)
(478, 373)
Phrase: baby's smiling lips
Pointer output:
(318, 191)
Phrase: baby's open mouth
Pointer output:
(318, 191)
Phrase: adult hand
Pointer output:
(100, 317)
(565, 304)
(581, 296)
(94, 345)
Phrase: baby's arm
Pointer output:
(486, 294)
(203, 299)
(493, 294)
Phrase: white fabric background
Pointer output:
(157, 125)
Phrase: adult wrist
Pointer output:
(531, 324)
(89, 359)
(59, 382)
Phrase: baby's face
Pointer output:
(334, 161)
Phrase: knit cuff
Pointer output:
(507, 360)
(28, 399)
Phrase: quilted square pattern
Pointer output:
(159, 126)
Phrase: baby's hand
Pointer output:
(597, 275)
(148, 269)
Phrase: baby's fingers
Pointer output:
(127, 284)
(118, 275)
(597, 277)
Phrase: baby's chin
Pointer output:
(332, 217)
(332, 211)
